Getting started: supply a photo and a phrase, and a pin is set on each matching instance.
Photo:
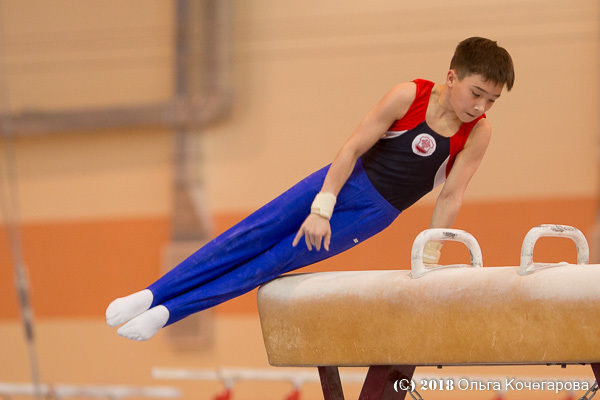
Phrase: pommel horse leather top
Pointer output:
(442, 315)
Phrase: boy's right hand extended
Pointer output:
(314, 229)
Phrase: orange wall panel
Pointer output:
(77, 268)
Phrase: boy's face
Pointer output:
(472, 96)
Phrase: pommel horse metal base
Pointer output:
(393, 321)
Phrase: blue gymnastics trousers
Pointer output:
(259, 248)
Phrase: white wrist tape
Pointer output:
(432, 252)
(323, 204)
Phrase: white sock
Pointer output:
(123, 309)
(145, 325)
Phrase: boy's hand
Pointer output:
(314, 229)
(432, 252)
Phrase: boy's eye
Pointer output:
(475, 94)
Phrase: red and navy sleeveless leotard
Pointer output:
(412, 159)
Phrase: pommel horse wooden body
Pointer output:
(395, 320)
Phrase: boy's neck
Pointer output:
(440, 112)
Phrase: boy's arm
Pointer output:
(391, 107)
(450, 199)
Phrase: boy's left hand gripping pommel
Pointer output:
(432, 252)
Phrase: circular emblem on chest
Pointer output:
(423, 145)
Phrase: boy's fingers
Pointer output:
(317, 243)
(327, 241)
(307, 239)
(298, 236)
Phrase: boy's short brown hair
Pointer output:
(480, 56)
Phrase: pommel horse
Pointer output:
(453, 315)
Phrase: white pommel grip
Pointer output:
(528, 266)
(323, 204)
(419, 269)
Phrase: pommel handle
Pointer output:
(528, 266)
(419, 269)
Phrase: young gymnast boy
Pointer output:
(418, 136)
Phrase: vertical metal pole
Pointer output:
(9, 208)
(12, 225)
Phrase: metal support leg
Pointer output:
(331, 383)
(596, 369)
(380, 380)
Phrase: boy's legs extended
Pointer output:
(253, 252)
(250, 237)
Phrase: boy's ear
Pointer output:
(451, 78)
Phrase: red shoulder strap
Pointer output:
(417, 110)
(458, 141)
